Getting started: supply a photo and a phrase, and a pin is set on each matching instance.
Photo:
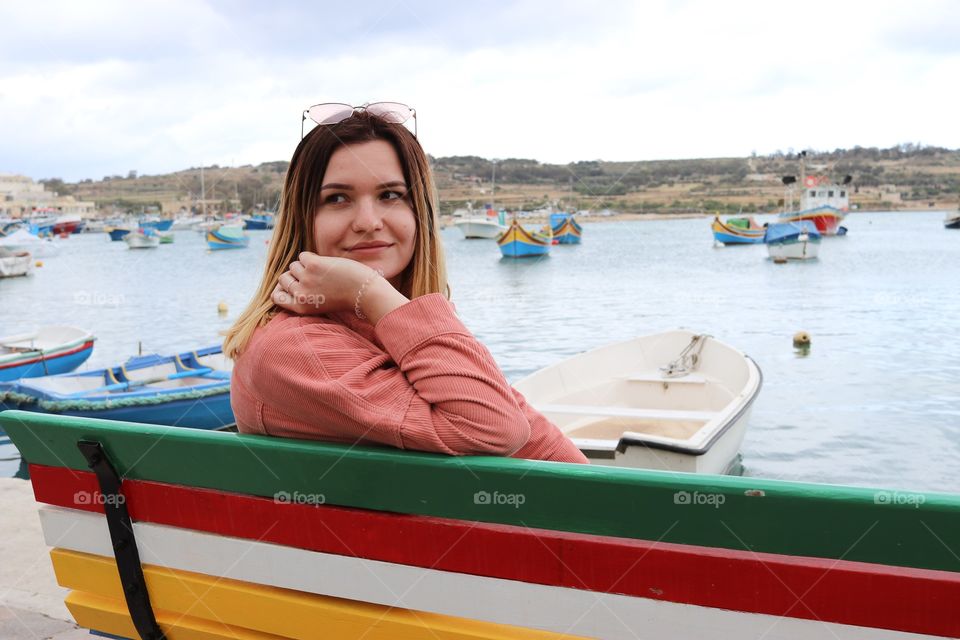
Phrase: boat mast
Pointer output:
(203, 194)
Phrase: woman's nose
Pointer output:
(368, 218)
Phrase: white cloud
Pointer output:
(95, 89)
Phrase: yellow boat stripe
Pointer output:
(259, 610)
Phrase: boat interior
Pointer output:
(152, 376)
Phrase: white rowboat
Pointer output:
(676, 401)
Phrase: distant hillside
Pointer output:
(903, 177)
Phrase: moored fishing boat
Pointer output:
(259, 222)
(190, 389)
(677, 401)
(744, 230)
(952, 220)
(14, 264)
(49, 350)
(166, 237)
(480, 228)
(227, 237)
(517, 242)
(793, 240)
(156, 224)
(143, 238)
(117, 233)
(199, 534)
(23, 240)
(822, 202)
(565, 228)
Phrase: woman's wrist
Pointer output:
(376, 298)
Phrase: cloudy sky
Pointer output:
(94, 88)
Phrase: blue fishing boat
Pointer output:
(117, 233)
(517, 242)
(259, 222)
(737, 231)
(793, 240)
(50, 350)
(157, 225)
(227, 237)
(566, 229)
(190, 389)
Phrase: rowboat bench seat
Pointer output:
(192, 534)
(625, 412)
(654, 376)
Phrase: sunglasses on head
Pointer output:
(333, 112)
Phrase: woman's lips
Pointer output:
(370, 250)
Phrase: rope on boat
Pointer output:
(57, 406)
(688, 360)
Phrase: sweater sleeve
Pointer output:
(435, 389)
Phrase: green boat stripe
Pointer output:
(886, 527)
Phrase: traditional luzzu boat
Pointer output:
(793, 240)
(47, 351)
(565, 228)
(188, 534)
(517, 242)
(675, 401)
(227, 237)
(737, 231)
(190, 389)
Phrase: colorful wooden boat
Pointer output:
(14, 264)
(676, 401)
(190, 389)
(565, 228)
(143, 238)
(200, 534)
(737, 231)
(822, 202)
(227, 237)
(47, 351)
(517, 242)
(793, 240)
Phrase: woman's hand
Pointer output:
(324, 284)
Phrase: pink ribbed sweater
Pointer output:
(418, 380)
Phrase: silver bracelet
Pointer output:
(363, 287)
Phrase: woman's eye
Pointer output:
(392, 195)
(336, 198)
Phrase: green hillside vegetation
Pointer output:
(904, 177)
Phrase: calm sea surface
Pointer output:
(876, 402)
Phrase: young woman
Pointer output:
(350, 337)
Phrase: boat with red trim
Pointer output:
(49, 350)
(204, 534)
(822, 201)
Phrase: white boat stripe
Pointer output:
(557, 609)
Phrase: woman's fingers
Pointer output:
(287, 280)
(297, 269)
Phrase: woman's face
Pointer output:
(365, 213)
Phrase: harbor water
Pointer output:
(873, 403)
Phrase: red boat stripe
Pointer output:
(49, 357)
(862, 594)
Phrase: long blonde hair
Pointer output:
(300, 199)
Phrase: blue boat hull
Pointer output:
(118, 234)
(567, 238)
(212, 412)
(159, 225)
(47, 367)
(726, 238)
(522, 250)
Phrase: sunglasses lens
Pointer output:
(329, 113)
(390, 111)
